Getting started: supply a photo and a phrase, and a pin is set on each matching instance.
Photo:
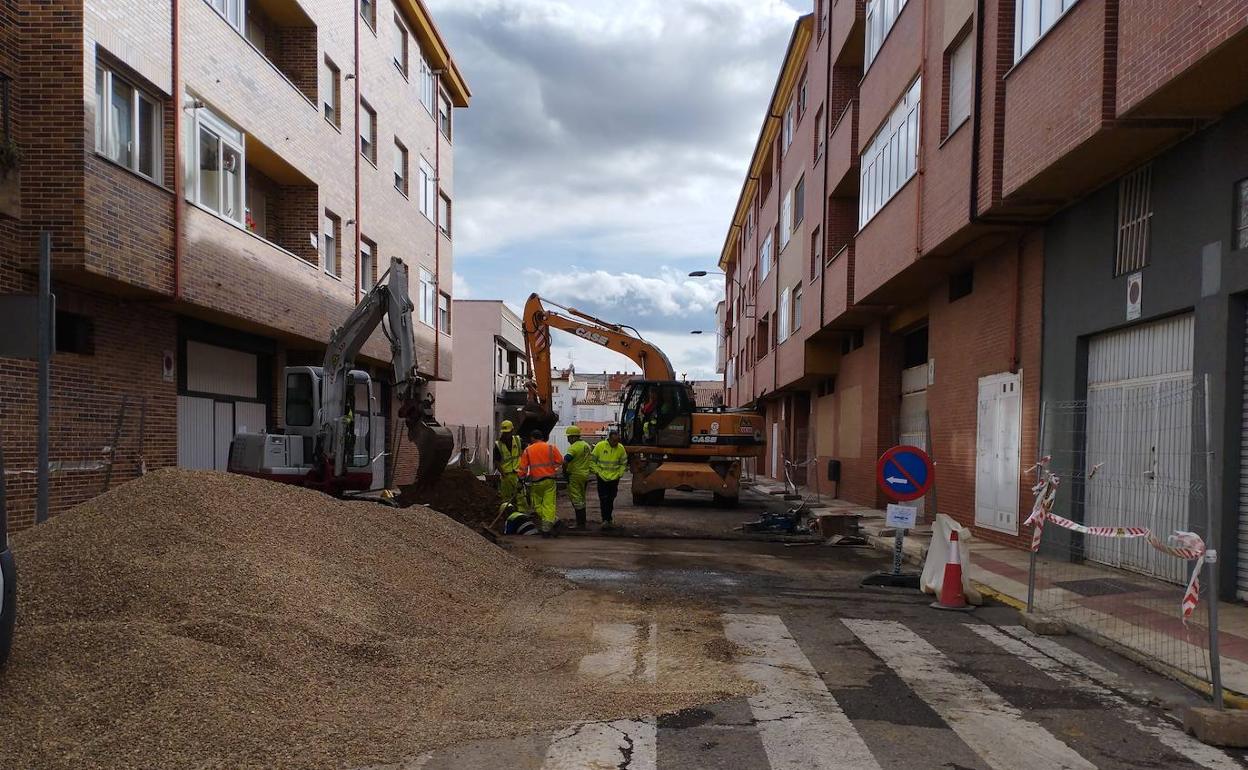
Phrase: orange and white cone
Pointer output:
(951, 595)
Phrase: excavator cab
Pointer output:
(657, 413)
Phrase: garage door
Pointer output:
(221, 399)
(1139, 440)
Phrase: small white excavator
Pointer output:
(325, 440)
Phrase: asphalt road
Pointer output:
(850, 677)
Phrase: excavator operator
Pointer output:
(539, 464)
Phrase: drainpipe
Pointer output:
(923, 102)
(358, 148)
(827, 131)
(976, 122)
(176, 88)
(437, 226)
(775, 258)
(1016, 308)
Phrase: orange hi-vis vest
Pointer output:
(540, 460)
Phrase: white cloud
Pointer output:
(459, 287)
(668, 292)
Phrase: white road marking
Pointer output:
(1072, 675)
(618, 661)
(605, 746)
(994, 729)
(801, 725)
(1087, 667)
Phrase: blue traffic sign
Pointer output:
(904, 473)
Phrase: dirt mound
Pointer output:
(201, 619)
(460, 495)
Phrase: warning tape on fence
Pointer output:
(1183, 545)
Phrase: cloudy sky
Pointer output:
(603, 153)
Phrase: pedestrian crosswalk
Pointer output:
(1005, 714)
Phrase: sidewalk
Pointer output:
(1144, 626)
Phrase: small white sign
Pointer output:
(1135, 293)
(901, 516)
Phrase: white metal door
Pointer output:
(998, 452)
(912, 419)
(195, 433)
(775, 451)
(1138, 440)
(223, 433)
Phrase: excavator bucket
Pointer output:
(434, 443)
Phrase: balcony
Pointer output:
(848, 26)
(838, 287)
(283, 34)
(282, 205)
(843, 153)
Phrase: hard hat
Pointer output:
(506, 426)
(573, 430)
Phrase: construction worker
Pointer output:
(539, 465)
(507, 460)
(519, 523)
(650, 414)
(576, 464)
(608, 461)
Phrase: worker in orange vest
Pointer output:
(539, 464)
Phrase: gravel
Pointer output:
(196, 619)
(459, 494)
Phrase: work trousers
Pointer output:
(509, 491)
(542, 495)
(606, 497)
(576, 489)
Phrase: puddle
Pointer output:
(672, 577)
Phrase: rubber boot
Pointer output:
(580, 518)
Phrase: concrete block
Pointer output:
(1041, 624)
(1217, 728)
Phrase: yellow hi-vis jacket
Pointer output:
(510, 455)
(609, 462)
(578, 457)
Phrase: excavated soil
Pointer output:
(458, 494)
(193, 619)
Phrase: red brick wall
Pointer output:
(972, 338)
(1158, 39)
(129, 235)
(886, 245)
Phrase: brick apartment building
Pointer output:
(890, 262)
(221, 180)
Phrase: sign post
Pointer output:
(903, 473)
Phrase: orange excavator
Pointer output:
(672, 442)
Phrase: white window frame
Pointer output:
(331, 100)
(790, 124)
(446, 122)
(784, 315)
(428, 190)
(796, 303)
(881, 16)
(371, 16)
(330, 247)
(428, 88)
(227, 136)
(445, 212)
(233, 11)
(1032, 21)
(444, 313)
(961, 61)
(799, 202)
(367, 144)
(786, 220)
(891, 157)
(428, 298)
(106, 130)
(764, 258)
(401, 167)
(402, 44)
(367, 257)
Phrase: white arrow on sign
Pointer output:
(895, 481)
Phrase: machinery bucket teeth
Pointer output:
(434, 445)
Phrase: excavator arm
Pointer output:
(539, 320)
(390, 300)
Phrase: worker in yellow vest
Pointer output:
(608, 461)
(507, 461)
(576, 462)
(539, 465)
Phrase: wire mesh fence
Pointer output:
(1125, 477)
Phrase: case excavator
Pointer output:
(672, 442)
(326, 441)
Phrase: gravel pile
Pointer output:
(206, 620)
(458, 494)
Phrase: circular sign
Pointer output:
(904, 473)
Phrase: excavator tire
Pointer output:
(8, 601)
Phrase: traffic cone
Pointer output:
(951, 595)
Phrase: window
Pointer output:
(881, 15)
(427, 297)
(428, 190)
(821, 13)
(367, 263)
(1033, 18)
(786, 219)
(816, 253)
(329, 243)
(1135, 215)
(300, 410)
(784, 315)
(368, 132)
(820, 133)
(790, 124)
(444, 313)
(400, 167)
(444, 214)
(368, 11)
(1241, 215)
(799, 202)
(959, 71)
(331, 92)
(961, 284)
(797, 306)
(444, 115)
(230, 10)
(428, 84)
(889, 160)
(75, 333)
(127, 124)
(764, 336)
(219, 166)
(764, 258)
(401, 36)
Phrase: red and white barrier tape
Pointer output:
(1184, 545)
